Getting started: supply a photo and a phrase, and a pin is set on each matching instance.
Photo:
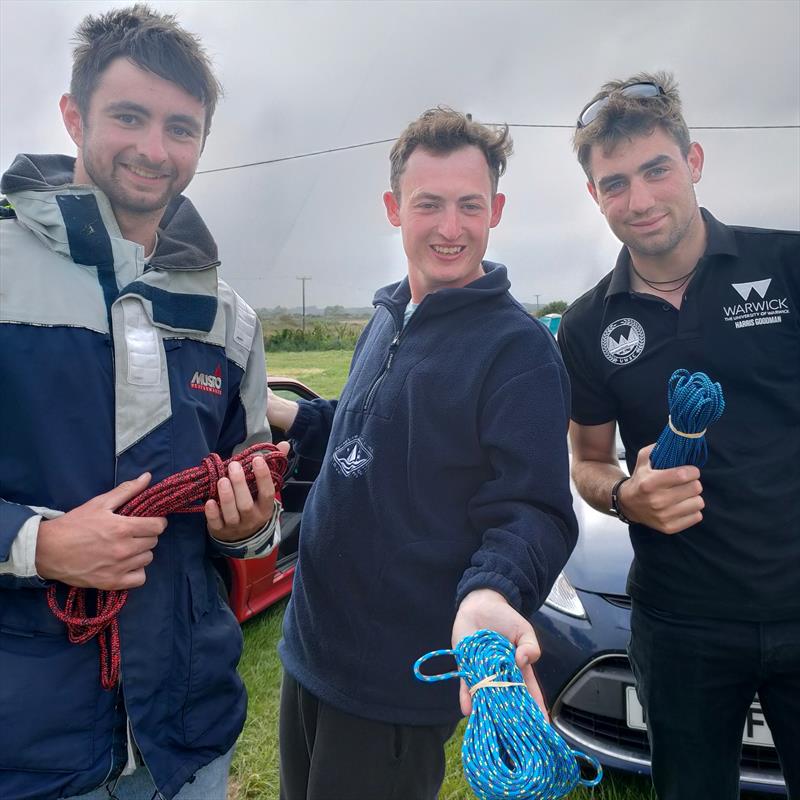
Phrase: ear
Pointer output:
(695, 159)
(73, 121)
(592, 191)
(498, 204)
(392, 208)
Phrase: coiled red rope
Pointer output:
(184, 492)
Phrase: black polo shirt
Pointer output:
(740, 324)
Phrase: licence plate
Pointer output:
(755, 727)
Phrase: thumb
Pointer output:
(464, 698)
(528, 650)
(283, 447)
(643, 457)
(644, 453)
(126, 491)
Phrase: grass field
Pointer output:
(255, 767)
(324, 371)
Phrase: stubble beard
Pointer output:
(121, 199)
(665, 244)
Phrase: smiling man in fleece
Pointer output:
(443, 503)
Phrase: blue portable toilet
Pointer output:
(551, 322)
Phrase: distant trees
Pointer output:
(335, 311)
(556, 307)
(319, 336)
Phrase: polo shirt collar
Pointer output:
(719, 241)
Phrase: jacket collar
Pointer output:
(40, 188)
(494, 282)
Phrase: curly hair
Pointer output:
(441, 130)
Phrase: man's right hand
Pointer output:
(668, 500)
(93, 547)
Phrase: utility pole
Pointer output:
(304, 278)
(537, 303)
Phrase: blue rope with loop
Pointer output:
(510, 751)
(695, 403)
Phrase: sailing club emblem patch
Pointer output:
(352, 457)
(623, 341)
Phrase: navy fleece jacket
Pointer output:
(444, 470)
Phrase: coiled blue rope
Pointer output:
(510, 751)
(695, 403)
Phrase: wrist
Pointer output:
(615, 506)
(282, 412)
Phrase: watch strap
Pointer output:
(615, 509)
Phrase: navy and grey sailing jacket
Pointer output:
(112, 367)
(445, 470)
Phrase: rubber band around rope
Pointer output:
(489, 681)
(686, 435)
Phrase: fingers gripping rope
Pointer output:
(695, 403)
(510, 751)
(183, 493)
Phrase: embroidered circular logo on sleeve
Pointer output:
(623, 341)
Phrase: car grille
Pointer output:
(619, 600)
(606, 729)
(615, 731)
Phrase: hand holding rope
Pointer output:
(695, 403)
(185, 492)
(509, 751)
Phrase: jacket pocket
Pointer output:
(216, 696)
(49, 691)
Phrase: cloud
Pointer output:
(301, 77)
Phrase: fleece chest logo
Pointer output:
(756, 307)
(207, 383)
(352, 457)
(623, 341)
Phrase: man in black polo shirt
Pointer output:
(715, 580)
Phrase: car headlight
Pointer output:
(564, 598)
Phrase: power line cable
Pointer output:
(298, 155)
(510, 125)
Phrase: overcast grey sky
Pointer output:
(308, 76)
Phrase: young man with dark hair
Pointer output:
(443, 503)
(715, 580)
(113, 321)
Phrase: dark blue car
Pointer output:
(584, 671)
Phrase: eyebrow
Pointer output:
(431, 196)
(121, 106)
(653, 162)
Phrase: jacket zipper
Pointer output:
(389, 358)
(378, 380)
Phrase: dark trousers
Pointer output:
(327, 754)
(696, 679)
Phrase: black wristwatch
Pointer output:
(615, 509)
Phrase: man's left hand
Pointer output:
(238, 515)
(485, 608)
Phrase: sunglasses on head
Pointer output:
(641, 90)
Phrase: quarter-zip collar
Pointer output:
(397, 296)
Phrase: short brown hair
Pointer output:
(625, 116)
(442, 130)
(154, 42)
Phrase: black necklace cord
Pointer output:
(679, 282)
